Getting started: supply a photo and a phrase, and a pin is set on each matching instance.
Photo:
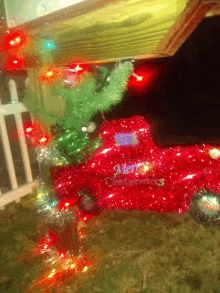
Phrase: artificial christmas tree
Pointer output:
(68, 139)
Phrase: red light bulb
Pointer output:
(15, 63)
(15, 39)
(139, 78)
(143, 78)
(31, 128)
(43, 140)
(78, 67)
(50, 74)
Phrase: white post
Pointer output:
(21, 136)
(7, 152)
(1, 207)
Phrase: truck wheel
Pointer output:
(87, 202)
(205, 208)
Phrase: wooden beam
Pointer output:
(214, 11)
(133, 35)
(185, 24)
(64, 14)
(138, 57)
(127, 30)
(210, 1)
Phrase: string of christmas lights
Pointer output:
(68, 142)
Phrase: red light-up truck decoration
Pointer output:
(130, 171)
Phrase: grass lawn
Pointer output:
(137, 252)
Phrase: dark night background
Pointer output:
(183, 105)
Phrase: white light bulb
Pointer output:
(214, 153)
(50, 73)
(91, 127)
(84, 129)
(139, 78)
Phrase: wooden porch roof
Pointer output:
(103, 31)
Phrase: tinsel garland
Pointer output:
(72, 141)
(49, 155)
(76, 152)
(46, 203)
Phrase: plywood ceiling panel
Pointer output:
(106, 30)
(121, 29)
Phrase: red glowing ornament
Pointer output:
(66, 204)
(30, 129)
(139, 79)
(34, 132)
(49, 75)
(54, 238)
(15, 63)
(85, 216)
(16, 39)
(44, 244)
(78, 67)
(43, 140)
(68, 268)
(143, 78)
(62, 255)
(75, 71)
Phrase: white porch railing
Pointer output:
(15, 108)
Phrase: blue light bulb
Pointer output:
(49, 45)
(54, 203)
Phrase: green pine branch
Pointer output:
(82, 102)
